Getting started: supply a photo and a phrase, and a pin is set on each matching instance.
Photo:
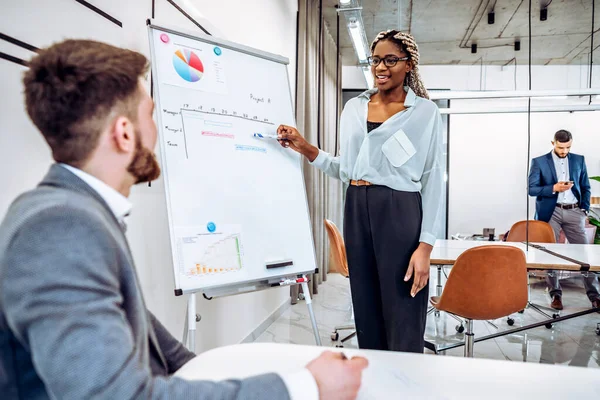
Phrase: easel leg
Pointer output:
(185, 327)
(308, 300)
(191, 323)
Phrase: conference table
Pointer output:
(395, 375)
(539, 257)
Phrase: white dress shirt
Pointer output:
(404, 153)
(301, 384)
(562, 173)
(118, 204)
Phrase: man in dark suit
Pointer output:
(560, 181)
(73, 323)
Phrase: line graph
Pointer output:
(220, 257)
(205, 253)
(236, 115)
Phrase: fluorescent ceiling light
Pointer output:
(368, 77)
(344, 2)
(511, 110)
(553, 98)
(500, 94)
(356, 35)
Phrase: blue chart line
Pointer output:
(242, 147)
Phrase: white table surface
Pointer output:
(589, 253)
(393, 375)
(445, 252)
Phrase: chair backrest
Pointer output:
(337, 250)
(539, 232)
(486, 282)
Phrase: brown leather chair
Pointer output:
(486, 282)
(539, 232)
(337, 249)
(338, 263)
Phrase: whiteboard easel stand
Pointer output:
(191, 318)
(189, 329)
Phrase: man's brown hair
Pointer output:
(73, 87)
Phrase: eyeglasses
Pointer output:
(388, 61)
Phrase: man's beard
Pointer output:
(559, 156)
(144, 166)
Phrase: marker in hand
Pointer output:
(266, 136)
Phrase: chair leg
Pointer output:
(537, 307)
(469, 336)
(525, 347)
(336, 332)
(350, 336)
(540, 309)
(492, 324)
(456, 318)
(343, 327)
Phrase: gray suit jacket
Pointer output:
(73, 323)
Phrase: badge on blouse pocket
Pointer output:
(398, 149)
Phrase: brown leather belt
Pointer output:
(567, 206)
(360, 183)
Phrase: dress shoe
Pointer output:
(556, 303)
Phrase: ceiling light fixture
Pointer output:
(352, 12)
(357, 35)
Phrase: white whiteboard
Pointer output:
(235, 203)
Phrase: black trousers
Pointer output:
(381, 231)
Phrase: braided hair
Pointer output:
(407, 43)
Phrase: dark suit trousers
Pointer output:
(381, 232)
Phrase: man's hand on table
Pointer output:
(337, 377)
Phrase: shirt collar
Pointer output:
(557, 158)
(409, 101)
(118, 204)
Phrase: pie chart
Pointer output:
(188, 65)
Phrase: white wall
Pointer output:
(266, 24)
(353, 78)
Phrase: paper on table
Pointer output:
(393, 384)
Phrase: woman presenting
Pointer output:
(390, 155)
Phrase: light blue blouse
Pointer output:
(405, 153)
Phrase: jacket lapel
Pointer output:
(60, 177)
(571, 166)
(552, 167)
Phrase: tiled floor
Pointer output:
(572, 342)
